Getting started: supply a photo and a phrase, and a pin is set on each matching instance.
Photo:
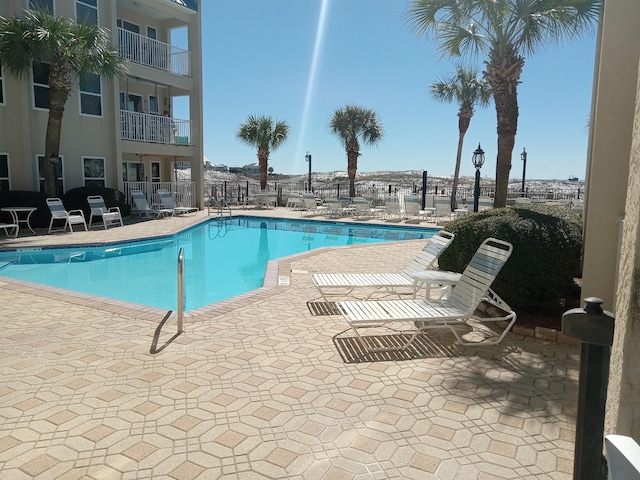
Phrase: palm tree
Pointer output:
(505, 31)
(466, 89)
(66, 47)
(262, 132)
(350, 123)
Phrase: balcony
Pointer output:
(153, 53)
(151, 128)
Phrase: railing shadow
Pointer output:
(156, 336)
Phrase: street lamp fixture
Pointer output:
(307, 158)
(478, 161)
(55, 159)
(523, 157)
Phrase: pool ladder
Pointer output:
(220, 205)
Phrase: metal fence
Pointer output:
(241, 193)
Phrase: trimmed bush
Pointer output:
(24, 198)
(547, 249)
(76, 198)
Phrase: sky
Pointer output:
(300, 60)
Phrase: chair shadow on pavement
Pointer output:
(424, 346)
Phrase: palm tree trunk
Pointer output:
(59, 90)
(353, 152)
(503, 74)
(463, 126)
(263, 159)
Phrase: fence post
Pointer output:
(424, 189)
(594, 327)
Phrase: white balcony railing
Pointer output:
(183, 193)
(151, 128)
(153, 53)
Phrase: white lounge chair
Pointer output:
(70, 218)
(363, 209)
(142, 206)
(341, 284)
(623, 457)
(98, 208)
(168, 204)
(392, 208)
(472, 289)
(333, 208)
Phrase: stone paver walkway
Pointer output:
(260, 387)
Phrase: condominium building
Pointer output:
(132, 132)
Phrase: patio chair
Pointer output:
(623, 457)
(168, 204)
(70, 218)
(472, 289)
(392, 207)
(334, 208)
(363, 209)
(142, 206)
(98, 208)
(10, 227)
(341, 284)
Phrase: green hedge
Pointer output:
(547, 249)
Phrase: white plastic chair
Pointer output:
(98, 208)
(70, 218)
(623, 457)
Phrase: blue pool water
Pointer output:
(223, 258)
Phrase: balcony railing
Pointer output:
(151, 128)
(183, 193)
(153, 53)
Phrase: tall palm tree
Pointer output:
(505, 31)
(349, 124)
(262, 132)
(466, 88)
(67, 47)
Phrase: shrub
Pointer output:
(76, 198)
(547, 249)
(24, 198)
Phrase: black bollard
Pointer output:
(594, 327)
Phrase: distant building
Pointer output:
(236, 169)
(218, 168)
(251, 169)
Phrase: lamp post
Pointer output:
(478, 161)
(523, 157)
(55, 159)
(307, 158)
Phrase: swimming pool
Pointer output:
(223, 258)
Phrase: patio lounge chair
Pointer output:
(472, 289)
(70, 218)
(623, 457)
(341, 284)
(168, 204)
(98, 208)
(142, 206)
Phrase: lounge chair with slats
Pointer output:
(142, 207)
(168, 204)
(331, 285)
(457, 309)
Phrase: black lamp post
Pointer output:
(523, 157)
(478, 161)
(307, 158)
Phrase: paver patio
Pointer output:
(260, 386)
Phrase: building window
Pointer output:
(44, 4)
(153, 104)
(59, 176)
(41, 85)
(93, 172)
(90, 95)
(1, 86)
(4, 172)
(87, 11)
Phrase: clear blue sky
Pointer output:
(285, 59)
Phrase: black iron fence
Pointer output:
(241, 193)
